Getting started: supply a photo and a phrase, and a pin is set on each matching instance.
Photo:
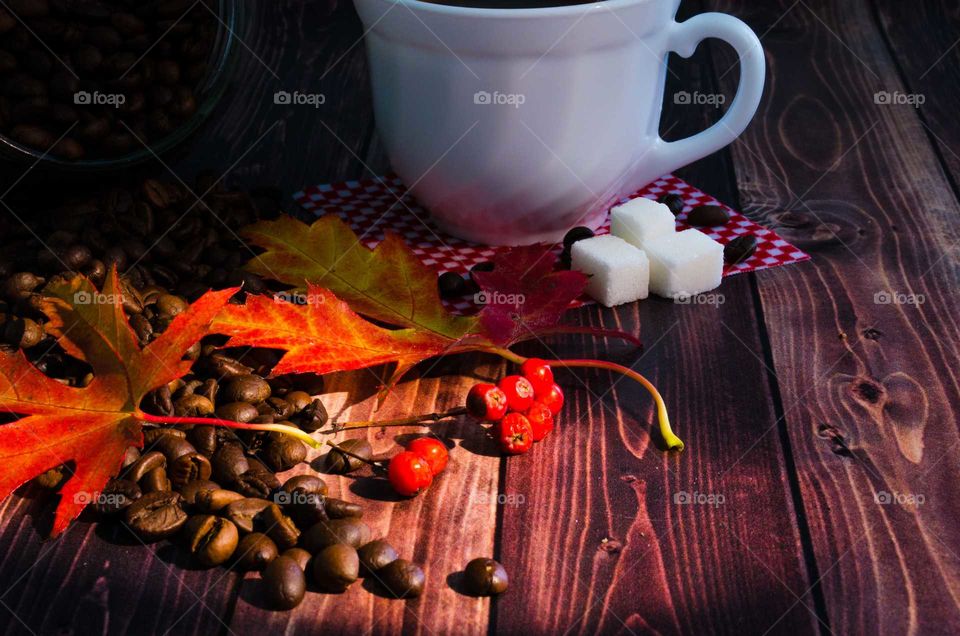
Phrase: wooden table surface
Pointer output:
(821, 419)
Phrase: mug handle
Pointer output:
(683, 40)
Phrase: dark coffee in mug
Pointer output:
(511, 4)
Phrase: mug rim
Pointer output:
(487, 12)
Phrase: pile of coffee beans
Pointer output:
(101, 72)
(206, 488)
(213, 490)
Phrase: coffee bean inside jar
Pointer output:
(101, 79)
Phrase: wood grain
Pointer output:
(608, 547)
(869, 386)
(923, 42)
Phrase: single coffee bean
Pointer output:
(229, 462)
(672, 201)
(301, 556)
(375, 555)
(298, 400)
(193, 406)
(402, 579)
(253, 483)
(190, 491)
(204, 439)
(278, 527)
(222, 366)
(116, 496)
(156, 515)
(211, 540)
(283, 452)
(340, 509)
(305, 508)
(307, 483)
(242, 412)
(245, 388)
(336, 567)
(313, 417)
(740, 249)
(278, 407)
(284, 583)
(243, 512)
(255, 551)
(21, 332)
(339, 463)
(485, 577)
(155, 481)
(576, 234)
(170, 305)
(269, 478)
(349, 531)
(451, 285)
(21, 284)
(171, 442)
(76, 257)
(187, 468)
(708, 216)
(216, 499)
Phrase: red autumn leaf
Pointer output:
(322, 334)
(523, 296)
(88, 429)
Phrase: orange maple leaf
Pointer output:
(88, 429)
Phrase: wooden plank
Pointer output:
(923, 38)
(95, 579)
(439, 529)
(100, 579)
(601, 544)
(869, 389)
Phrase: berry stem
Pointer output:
(403, 421)
(215, 421)
(670, 439)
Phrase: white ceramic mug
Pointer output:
(513, 125)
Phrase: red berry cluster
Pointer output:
(413, 470)
(522, 407)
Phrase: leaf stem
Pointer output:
(670, 439)
(402, 421)
(215, 421)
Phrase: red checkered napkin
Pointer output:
(373, 205)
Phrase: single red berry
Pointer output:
(487, 402)
(515, 434)
(552, 398)
(539, 373)
(409, 473)
(541, 420)
(432, 451)
(519, 392)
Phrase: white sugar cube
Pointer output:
(619, 272)
(640, 220)
(684, 264)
